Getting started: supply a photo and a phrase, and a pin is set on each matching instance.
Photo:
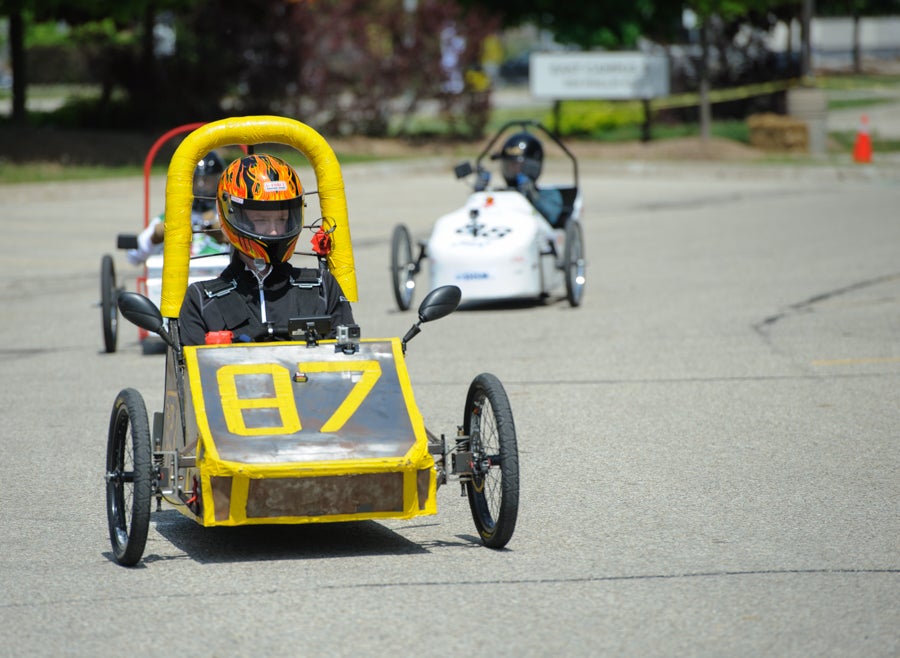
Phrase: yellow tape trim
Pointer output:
(371, 371)
(240, 490)
(233, 405)
(415, 416)
(196, 386)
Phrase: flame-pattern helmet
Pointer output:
(260, 182)
(521, 153)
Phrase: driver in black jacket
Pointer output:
(260, 204)
(521, 161)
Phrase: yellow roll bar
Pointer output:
(250, 130)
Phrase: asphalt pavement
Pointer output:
(708, 445)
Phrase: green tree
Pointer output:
(610, 24)
(116, 32)
(340, 64)
(706, 11)
(361, 60)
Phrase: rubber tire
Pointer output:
(128, 492)
(108, 303)
(573, 263)
(494, 497)
(402, 266)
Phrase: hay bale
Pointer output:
(778, 134)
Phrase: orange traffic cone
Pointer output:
(862, 150)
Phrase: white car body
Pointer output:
(498, 247)
(201, 269)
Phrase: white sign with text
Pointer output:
(607, 76)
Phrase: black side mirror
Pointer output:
(126, 241)
(463, 169)
(438, 303)
(140, 311)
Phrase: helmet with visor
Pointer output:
(261, 207)
(521, 154)
(206, 180)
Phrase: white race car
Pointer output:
(498, 247)
(208, 259)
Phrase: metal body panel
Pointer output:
(286, 433)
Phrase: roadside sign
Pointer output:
(607, 76)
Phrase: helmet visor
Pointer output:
(265, 220)
(205, 187)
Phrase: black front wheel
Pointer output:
(403, 267)
(108, 298)
(129, 477)
(573, 263)
(493, 489)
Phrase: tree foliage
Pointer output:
(345, 64)
(857, 8)
(609, 24)
(362, 61)
(612, 24)
(349, 65)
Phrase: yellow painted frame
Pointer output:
(250, 130)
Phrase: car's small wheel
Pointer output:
(108, 299)
(493, 489)
(573, 263)
(403, 267)
(129, 477)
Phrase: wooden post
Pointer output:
(645, 129)
(806, 68)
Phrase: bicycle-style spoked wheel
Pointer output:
(494, 487)
(129, 471)
(573, 263)
(403, 267)
(108, 308)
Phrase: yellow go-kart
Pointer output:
(295, 428)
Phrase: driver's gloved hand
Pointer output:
(526, 186)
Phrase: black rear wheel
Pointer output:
(129, 473)
(493, 489)
(403, 267)
(108, 299)
(573, 263)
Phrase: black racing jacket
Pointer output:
(232, 301)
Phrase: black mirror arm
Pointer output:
(170, 336)
(412, 333)
(140, 311)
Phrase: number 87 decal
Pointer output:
(233, 406)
